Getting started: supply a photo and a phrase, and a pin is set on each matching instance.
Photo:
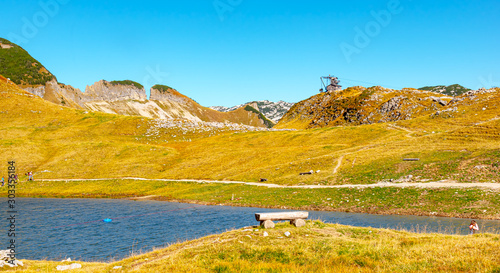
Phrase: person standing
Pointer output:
(3, 181)
(473, 227)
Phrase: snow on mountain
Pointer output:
(272, 110)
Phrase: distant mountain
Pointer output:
(18, 65)
(451, 90)
(272, 110)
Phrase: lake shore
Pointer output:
(476, 203)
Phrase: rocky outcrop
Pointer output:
(36, 90)
(110, 92)
(359, 105)
(392, 105)
(167, 93)
(439, 100)
(101, 91)
(58, 93)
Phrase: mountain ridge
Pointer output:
(123, 97)
(360, 105)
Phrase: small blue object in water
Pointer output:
(107, 220)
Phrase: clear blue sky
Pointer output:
(227, 52)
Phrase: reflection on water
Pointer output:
(55, 229)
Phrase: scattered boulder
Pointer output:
(68, 267)
(287, 234)
(439, 100)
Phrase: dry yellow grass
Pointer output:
(317, 247)
(60, 142)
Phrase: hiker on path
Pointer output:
(473, 227)
(30, 176)
(3, 181)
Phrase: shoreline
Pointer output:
(307, 208)
(465, 203)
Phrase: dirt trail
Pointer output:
(339, 162)
(437, 184)
(393, 126)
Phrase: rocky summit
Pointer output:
(360, 105)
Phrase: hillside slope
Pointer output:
(18, 65)
(360, 105)
(59, 142)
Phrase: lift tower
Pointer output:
(333, 86)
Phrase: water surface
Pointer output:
(56, 229)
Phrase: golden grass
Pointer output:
(317, 247)
(60, 142)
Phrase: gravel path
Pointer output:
(438, 184)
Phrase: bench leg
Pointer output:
(267, 224)
(298, 222)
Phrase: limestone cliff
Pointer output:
(114, 91)
(167, 93)
(58, 93)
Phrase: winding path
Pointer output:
(437, 184)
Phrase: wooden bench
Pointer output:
(296, 218)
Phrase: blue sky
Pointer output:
(228, 52)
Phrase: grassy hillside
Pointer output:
(18, 65)
(360, 105)
(461, 145)
(317, 247)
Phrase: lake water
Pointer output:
(56, 229)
